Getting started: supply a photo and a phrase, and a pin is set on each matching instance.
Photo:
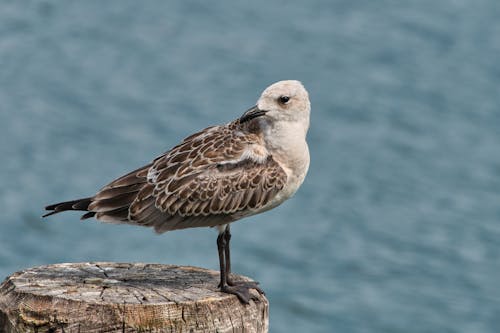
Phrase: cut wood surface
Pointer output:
(114, 297)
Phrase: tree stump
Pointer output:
(114, 297)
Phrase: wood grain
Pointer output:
(123, 297)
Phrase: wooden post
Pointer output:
(113, 297)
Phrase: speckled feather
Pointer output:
(203, 181)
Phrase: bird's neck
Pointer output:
(287, 142)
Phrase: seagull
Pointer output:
(215, 177)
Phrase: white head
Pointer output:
(282, 101)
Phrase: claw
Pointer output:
(242, 290)
(248, 285)
(242, 293)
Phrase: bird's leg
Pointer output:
(229, 280)
(240, 288)
(242, 293)
(221, 243)
(227, 255)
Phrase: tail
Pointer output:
(79, 204)
(112, 202)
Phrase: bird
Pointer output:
(215, 177)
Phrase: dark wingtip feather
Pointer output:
(48, 214)
(51, 207)
(79, 204)
(82, 204)
(87, 215)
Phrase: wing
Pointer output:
(206, 180)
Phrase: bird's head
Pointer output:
(281, 101)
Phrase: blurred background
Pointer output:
(397, 226)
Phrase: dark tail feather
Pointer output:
(79, 204)
(87, 215)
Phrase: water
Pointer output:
(397, 226)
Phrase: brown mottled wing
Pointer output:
(206, 180)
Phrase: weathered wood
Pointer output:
(113, 297)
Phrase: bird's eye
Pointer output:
(284, 99)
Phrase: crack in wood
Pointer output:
(182, 314)
(134, 292)
(101, 295)
(102, 270)
(161, 295)
(123, 318)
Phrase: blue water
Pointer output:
(397, 226)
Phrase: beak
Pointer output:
(252, 113)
